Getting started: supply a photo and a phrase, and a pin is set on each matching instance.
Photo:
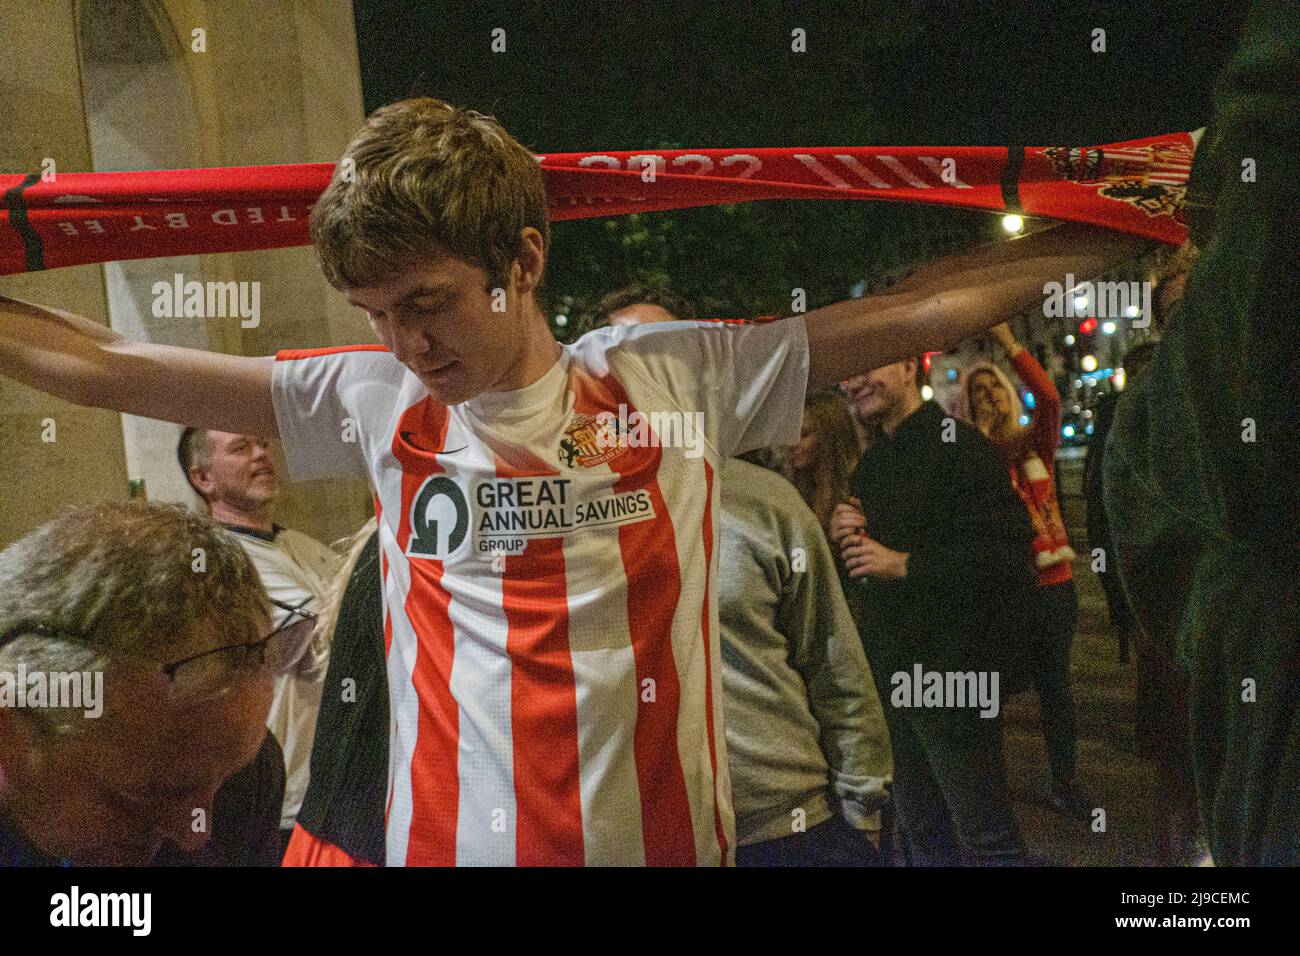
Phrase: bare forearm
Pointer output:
(954, 298)
(81, 362)
(52, 350)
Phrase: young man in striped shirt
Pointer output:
(549, 559)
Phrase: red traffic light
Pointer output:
(1088, 326)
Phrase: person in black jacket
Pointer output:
(940, 547)
(341, 822)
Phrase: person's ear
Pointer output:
(531, 260)
(201, 481)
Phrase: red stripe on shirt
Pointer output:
(435, 783)
(383, 580)
(290, 355)
(649, 554)
(706, 529)
(543, 701)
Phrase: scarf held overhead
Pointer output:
(77, 218)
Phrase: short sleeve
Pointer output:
(747, 378)
(322, 407)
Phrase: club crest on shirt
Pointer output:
(590, 441)
(439, 519)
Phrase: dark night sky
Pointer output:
(631, 75)
(616, 75)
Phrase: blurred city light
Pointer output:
(1012, 223)
(1088, 363)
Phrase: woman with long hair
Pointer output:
(820, 467)
(986, 399)
(822, 463)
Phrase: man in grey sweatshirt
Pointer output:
(807, 743)
(806, 735)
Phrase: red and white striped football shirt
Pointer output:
(551, 615)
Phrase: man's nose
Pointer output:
(408, 344)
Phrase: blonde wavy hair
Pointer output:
(963, 408)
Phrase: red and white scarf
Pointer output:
(77, 218)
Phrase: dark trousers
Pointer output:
(950, 783)
(830, 843)
(1060, 611)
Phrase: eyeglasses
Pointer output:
(212, 672)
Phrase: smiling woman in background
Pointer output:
(986, 399)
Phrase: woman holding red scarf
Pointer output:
(988, 401)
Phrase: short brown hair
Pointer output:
(425, 178)
(122, 577)
(679, 307)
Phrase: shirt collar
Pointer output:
(268, 536)
(521, 403)
(923, 418)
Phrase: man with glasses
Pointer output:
(236, 477)
(173, 764)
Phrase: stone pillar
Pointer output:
(274, 83)
(41, 98)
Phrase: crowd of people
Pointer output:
(564, 640)
(871, 544)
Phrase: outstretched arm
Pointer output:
(85, 363)
(954, 298)
(1045, 418)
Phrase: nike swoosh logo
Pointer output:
(410, 439)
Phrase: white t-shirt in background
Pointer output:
(294, 568)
